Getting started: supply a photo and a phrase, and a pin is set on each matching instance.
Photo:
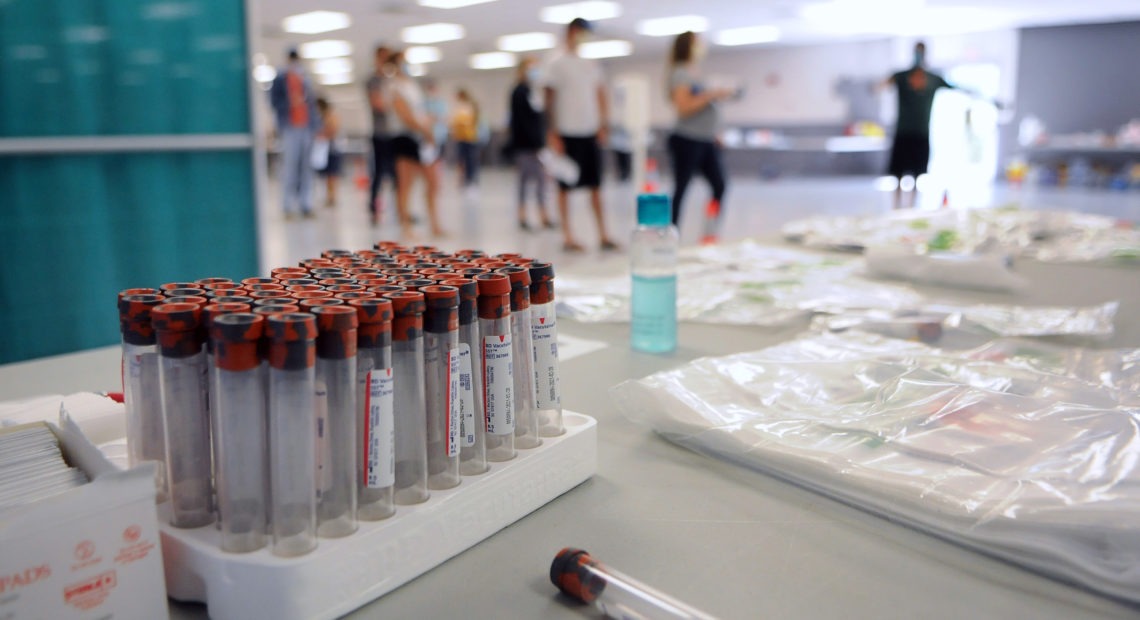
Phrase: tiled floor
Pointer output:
(486, 218)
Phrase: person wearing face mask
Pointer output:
(693, 144)
(528, 137)
(577, 113)
(910, 148)
(414, 146)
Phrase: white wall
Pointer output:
(784, 85)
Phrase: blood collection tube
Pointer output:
(344, 288)
(495, 327)
(359, 271)
(142, 394)
(471, 254)
(226, 285)
(241, 451)
(508, 256)
(420, 266)
(213, 294)
(210, 313)
(268, 294)
(206, 282)
(522, 338)
(544, 328)
(276, 309)
(613, 593)
(248, 282)
(348, 297)
(335, 253)
(303, 295)
(232, 299)
(441, 388)
(371, 279)
(376, 457)
(297, 281)
(336, 280)
(397, 271)
(417, 283)
(281, 273)
(304, 288)
(274, 301)
(384, 289)
(189, 291)
(264, 287)
(410, 406)
(182, 374)
(336, 408)
(173, 285)
(472, 446)
(292, 433)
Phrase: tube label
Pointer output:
(453, 403)
(380, 430)
(498, 381)
(323, 448)
(466, 398)
(544, 330)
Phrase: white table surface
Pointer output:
(733, 542)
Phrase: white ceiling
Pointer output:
(380, 21)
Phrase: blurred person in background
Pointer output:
(294, 106)
(528, 137)
(693, 144)
(383, 161)
(577, 112)
(910, 147)
(413, 143)
(436, 105)
(328, 133)
(465, 133)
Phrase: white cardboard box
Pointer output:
(90, 553)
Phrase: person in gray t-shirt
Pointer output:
(383, 160)
(693, 144)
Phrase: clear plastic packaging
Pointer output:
(994, 451)
(544, 328)
(441, 375)
(240, 434)
(182, 374)
(410, 404)
(142, 397)
(376, 456)
(522, 360)
(336, 389)
(498, 382)
(292, 433)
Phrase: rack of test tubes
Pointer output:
(330, 432)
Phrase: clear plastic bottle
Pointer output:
(653, 261)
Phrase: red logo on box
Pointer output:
(132, 534)
(84, 550)
(92, 592)
(26, 577)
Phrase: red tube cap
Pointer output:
(236, 337)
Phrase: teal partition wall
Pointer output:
(126, 160)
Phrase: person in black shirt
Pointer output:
(528, 137)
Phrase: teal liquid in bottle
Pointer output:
(653, 261)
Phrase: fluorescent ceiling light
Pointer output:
(605, 49)
(332, 66)
(420, 54)
(432, 33)
(590, 10)
(316, 21)
(264, 73)
(325, 48)
(666, 26)
(750, 35)
(492, 60)
(527, 41)
(334, 79)
(417, 70)
(450, 4)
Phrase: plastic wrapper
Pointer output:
(1026, 452)
(985, 272)
(748, 283)
(1046, 235)
(741, 284)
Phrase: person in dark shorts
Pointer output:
(577, 111)
(910, 149)
(329, 132)
(383, 160)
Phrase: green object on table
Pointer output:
(920, 224)
(944, 240)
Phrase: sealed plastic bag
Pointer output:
(1025, 452)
